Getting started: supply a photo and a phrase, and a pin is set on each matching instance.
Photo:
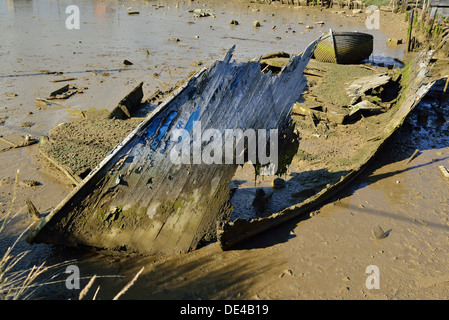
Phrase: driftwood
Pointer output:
(138, 200)
(43, 103)
(413, 156)
(66, 92)
(15, 141)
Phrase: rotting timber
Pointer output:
(138, 200)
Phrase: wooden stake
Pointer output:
(429, 26)
(412, 157)
(32, 210)
(424, 10)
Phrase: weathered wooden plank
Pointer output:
(358, 87)
(138, 200)
(129, 104)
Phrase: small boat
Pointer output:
(344, 47)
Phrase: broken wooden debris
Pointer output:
(32, 210)
(63, 80)
(413, 156)
(319, 113)
(363, 107)
(277, 62)
(16, 141)
(44, 103)
(66, 92)
(361, 86)
(128, 105)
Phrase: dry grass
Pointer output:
(21, 284)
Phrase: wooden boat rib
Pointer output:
(344, 47)
(138, 200)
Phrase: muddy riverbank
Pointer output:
(324, 257)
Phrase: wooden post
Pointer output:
(409, 31)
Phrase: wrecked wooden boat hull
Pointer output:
(138, 200)
(415, 88)
(344, 47)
